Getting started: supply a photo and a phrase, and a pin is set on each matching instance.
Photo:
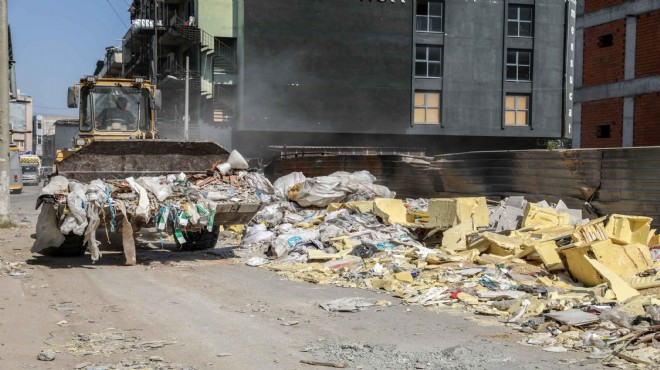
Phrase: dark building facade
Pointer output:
(444, 75)
(617, 101)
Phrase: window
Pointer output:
(603, 131)
(605, 40)
(38, 140)
(516, 110)
(428, 61)
(519, 21)
(429, 15)
(427, 108)
(518, 65)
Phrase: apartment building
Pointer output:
(446, 75)
(20, 123)
(617, 98)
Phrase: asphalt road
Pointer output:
(205, 312)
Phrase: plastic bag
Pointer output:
(284, 184)
(321, 191)
(76, 221)
(47, 232)
(257, 233)
(153, 184)
(142, 209)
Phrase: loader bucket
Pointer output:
(135, 158)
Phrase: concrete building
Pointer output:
(617, 101)
(44, 136)
(444, 75)
(20, 122)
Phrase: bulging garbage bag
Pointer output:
(285, 183)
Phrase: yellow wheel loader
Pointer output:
(117, 135)
(117, 139)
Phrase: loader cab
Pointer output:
(114, 109)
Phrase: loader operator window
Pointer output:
(117, 108)
(86, 111)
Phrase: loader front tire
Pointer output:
(199, 240)
(71, 247)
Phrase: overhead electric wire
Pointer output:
(117, 14)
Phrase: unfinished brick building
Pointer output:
(617, 98)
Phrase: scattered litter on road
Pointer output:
(537, 267)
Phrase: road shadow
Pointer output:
(151, 250)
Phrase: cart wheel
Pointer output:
(71, 247)
(198, 240)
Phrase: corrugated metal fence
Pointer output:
(620, 180)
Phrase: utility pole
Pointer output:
(186, 99)
(4, 114)
(154, 80)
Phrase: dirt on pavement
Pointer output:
(200, 310)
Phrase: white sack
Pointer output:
(142, 210)
(76, 221)
(47, 232)
(285, 183)
(160, 191)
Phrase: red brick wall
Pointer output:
(606, 64)
(593, 5)
(647, 120)
(647, 50)
(608, 111)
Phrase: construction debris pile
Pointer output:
(178, 204)
(568, 282)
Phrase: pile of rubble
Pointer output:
(174, 204)
(568, 282)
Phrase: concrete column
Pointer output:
(628, 122)
(577, 121)
(631, 41)
(579, 56)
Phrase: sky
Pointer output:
(56, 42)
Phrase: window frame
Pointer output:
(516, 110)
(428, 16)
(517, 65)
(427, 61)
(518, 20)
(426, 107)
